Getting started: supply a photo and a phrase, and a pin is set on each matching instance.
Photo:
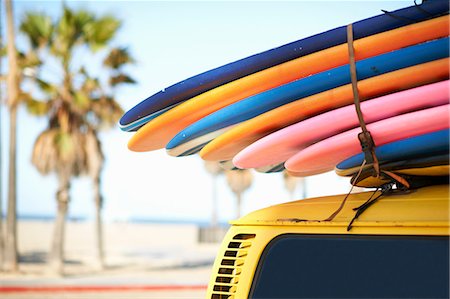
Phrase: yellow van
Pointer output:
(397, 248)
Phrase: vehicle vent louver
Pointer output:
(229, 272)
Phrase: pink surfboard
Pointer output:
(283, 144)
(324, 155)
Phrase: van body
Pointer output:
(397, 248)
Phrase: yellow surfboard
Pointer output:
(436, 172)
(156, 133)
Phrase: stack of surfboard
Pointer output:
(292, 107)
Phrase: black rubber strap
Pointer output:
(366, 205)
(365, 139)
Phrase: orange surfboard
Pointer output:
(159, 131)
(227, 145)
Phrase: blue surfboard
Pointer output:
(431, 144)
(191, 87)
(422, 162)
(192, 138)
(438, 159)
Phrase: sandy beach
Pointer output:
(142, 261)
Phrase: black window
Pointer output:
(327, 266)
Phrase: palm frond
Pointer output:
(66, 27)
(38, 28)
(36, 107)
(69, 31)
(118, 57)
(101, 31)
(55, 150)
(65, 144)
(213, 167)
(82, 18)
(90, 84)
(49, 88)
(81, 100)
(239, 180)
(29, 59)
(44, 156)
(120, 79)
(106, 112)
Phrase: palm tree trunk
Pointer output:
(11, 255)
(303, 186)
(11, 259)
(291, 195)
(214, 216)
(2, 245)
(99, 224)
(56, 258)
(238, 204)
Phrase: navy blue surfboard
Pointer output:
(432, 144)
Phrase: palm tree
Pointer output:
(94, 163)
(13, 99)
(107, 112)
(239, 180)
(19, 64)
(215, 170)
(60, 150)
(2, 247)
(291, 183)
(77, 106)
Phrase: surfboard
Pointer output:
(413, 166)
(158, 132)
(324, 155)
(415, 181)
(231, 142)
(196, 134)
(434, 165)
(438, 170)
(271, 168)
(429, 144)
(196, 85)
(227, 165)
(283, 144)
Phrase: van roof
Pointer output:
(427, 206)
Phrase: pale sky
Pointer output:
(172, 41)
